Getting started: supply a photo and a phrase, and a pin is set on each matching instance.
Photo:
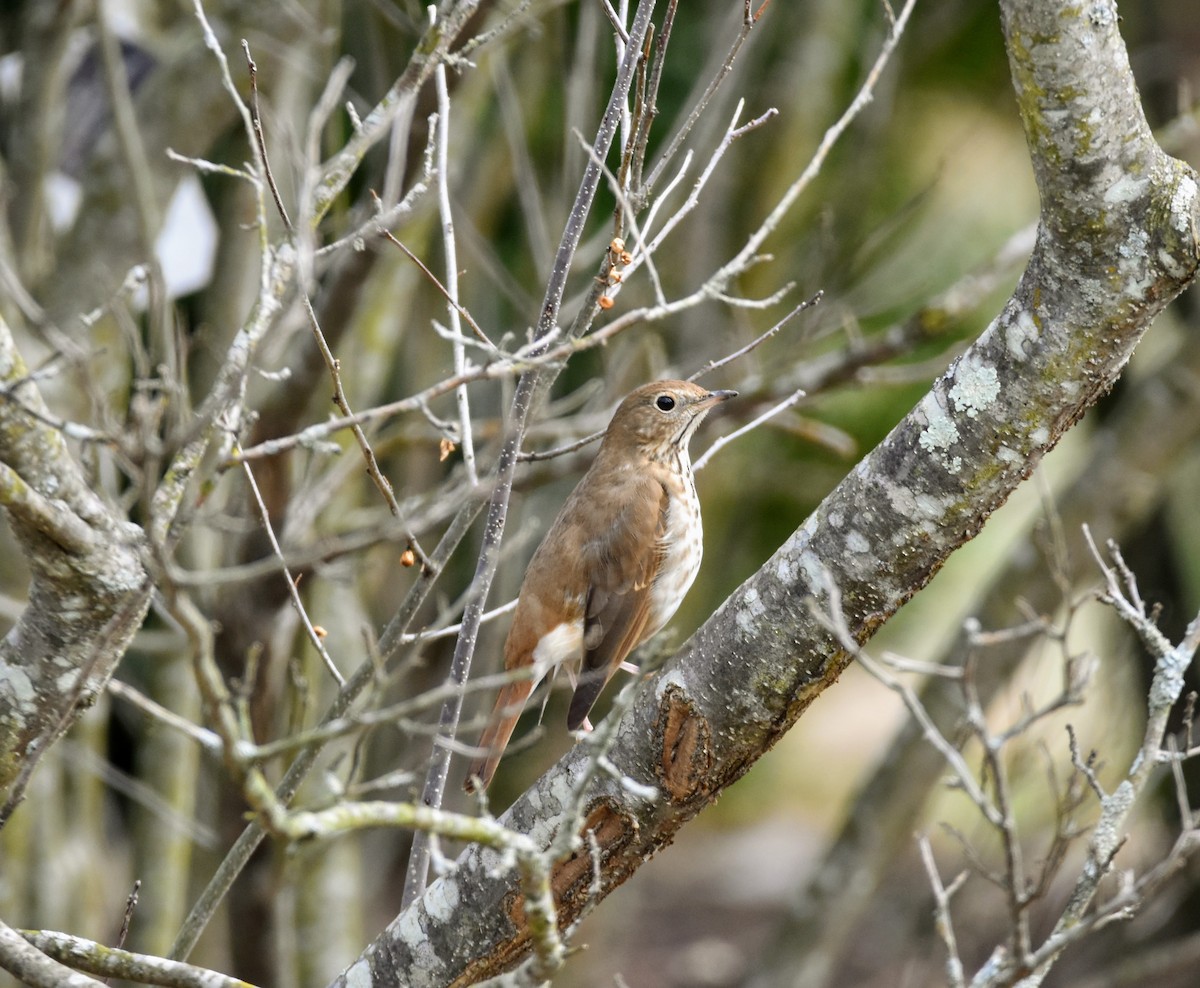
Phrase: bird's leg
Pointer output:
(630, 668)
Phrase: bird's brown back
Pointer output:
(617, 559)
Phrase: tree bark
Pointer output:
(1144, 443)
(89, 588)
(1117, 241)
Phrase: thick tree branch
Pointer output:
(25, 961)
(110, 962)
(1117, 241)
(89, 589)
(1116, 493)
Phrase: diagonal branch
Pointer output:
(754, 667)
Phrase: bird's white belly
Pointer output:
(684, 545)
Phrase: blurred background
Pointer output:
(915, 230)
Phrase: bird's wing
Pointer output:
(621, 563)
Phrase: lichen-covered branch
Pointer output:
(1141, 441)
(25, 961)
(109, 962)
(1117, 241)
(89, 587)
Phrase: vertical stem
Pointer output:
(465, 438)
(249, 839)
(460, 665)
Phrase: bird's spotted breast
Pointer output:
(683, 543)
(615, 564)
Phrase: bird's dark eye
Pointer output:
(664, 403)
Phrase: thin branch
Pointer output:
(717, 282)
(465, 437)
(834, 619)
(315, 639)
(431, 50)
(697, 111)
(750, 426)
(527, 385)
(51, 518)
(454, 304)
(746, 255)
(206, 739)
(649, 108)
(213, 45)
(261, 141)
(250, 838)
(533, 456)
(758, 341)
(111, 962)
(942, 919)
(33, 967)
(615, 21)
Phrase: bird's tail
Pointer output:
(494, 739)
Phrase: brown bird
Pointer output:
(615, 564)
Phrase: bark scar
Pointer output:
(612, 829)
(686, 746)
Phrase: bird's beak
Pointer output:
(715, 398)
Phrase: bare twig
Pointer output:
(465, 437)
(754, 242)
(415, 879)
(109, 962)
(32, 965)
(207, 739)
(834, 619)
(250, 838)
(758, 341)
(130, 908)
(697, 111)
(1079, 917)
(260, 139)
(942, 895)
(615, 21)
(753, 424)
(454, 304)
(314, 637)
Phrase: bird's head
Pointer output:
(660, 417)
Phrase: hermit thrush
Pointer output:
(615, 564)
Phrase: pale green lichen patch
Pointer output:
(856, 541)
(975, 388)
(751, 611)
(940, 433)
(1133, 247)
(785, 571)
(409, 931)
(1126, 188)
(1103, 14)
